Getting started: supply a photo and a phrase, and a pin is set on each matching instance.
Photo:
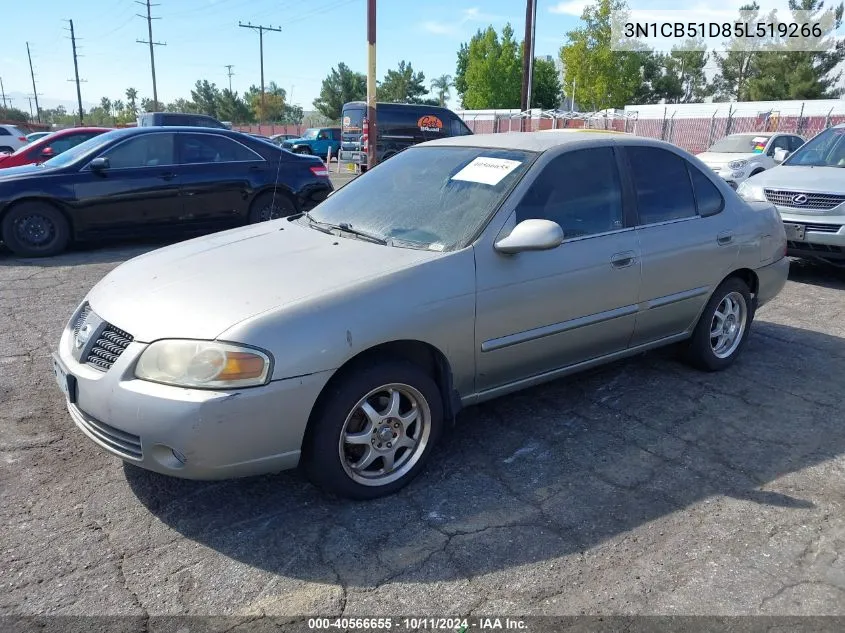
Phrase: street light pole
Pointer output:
(371, 84)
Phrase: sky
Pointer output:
(203, 36)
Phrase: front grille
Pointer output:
(123, 443)
(823, 228)
(817, 248)
(823, 201)
(108, 348)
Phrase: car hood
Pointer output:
(812, 179)
(14, 173)
(202, 287)
(722, 158)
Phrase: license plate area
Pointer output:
(794, 232)
(66, 382)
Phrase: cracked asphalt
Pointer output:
(643, 487)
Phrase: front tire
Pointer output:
(722, 329)
(373, 430)
(267, 207)
(35, 229)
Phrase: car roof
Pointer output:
(541, 141)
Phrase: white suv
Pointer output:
(808, 189)
(11, 139)
(740, 156)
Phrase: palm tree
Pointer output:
(131, 97)
(118, 107)
(441, 86)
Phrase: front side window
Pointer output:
(662, 185)
(578, 190)
(147, 150)
(66, 142)
(211, 148)
(436, 198)
(780, 142)
(310, 134)
(797, 142)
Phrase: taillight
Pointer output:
(321, 171)
(365, 137)
(22, 138)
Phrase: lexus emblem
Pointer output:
(800, 199)
(82, 336)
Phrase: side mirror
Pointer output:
(531, 235)
(47, 152)
(100, 163)
(781, 154)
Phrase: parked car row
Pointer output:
(347, 338)
(152, 181)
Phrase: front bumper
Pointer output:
(814, 235)
(189, 433)
(734, 177)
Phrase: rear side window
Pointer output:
(4, 131)
(662, 185)
(707, 196)
(580, 191)
(211, 148)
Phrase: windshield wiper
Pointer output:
(346, 227)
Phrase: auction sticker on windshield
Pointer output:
(487, 171)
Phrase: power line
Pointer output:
(76, 72)
(34, 91)
(261, 30)
(152, 44)
(230, 73)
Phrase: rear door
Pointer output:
(218, 176)
(686, 236)
(139, 190)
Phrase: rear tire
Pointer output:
(302, 150)
(265, 207)
(723, 327)
(35, 229)
(373, 429)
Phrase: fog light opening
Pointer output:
(179, 456)
(168, 457)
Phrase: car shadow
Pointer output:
(544, 473)
(817, 273)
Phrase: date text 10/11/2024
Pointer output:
(458, 625)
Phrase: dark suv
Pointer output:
(150, 119)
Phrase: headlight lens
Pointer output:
(751, 191)
(737, 164)
(203, 364)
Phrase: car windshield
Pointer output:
(740, 144)
(74, 153)
(824, 150)
(310, 134)
(426, 197)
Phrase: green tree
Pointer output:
(792, 74)
(206, 97)
(14, 114)
(274, 102)
(131, 99)
(493, 77)
(231, 107)
(105, 105)
(342, 85)
(738, 66)
(603, 78)
(181, 105)
(546, 91)
(148, 105)
(441, 86)
(292, 115)
(402, 85)
(461, 72)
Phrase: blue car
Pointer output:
(317, 141)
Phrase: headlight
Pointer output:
(751, 191)
(203, 364)
(737, 164)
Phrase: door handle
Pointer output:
(623, 260)
(168, 175)
(725, 238)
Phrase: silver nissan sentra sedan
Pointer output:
(462, 269)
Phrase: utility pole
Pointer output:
(3, 91)
(31, 115)
(230, 73)
(34, 91)
(152, 43)
(76, 72)
(528, 56)
(261, 30)
(372, 123)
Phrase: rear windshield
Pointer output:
(740, 144)
(353, 120)
(824, 150)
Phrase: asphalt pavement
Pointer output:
(643, 487)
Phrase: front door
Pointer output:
(544, 310)
(687, 237)
(138, 191)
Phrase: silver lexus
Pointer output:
(462, 269)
